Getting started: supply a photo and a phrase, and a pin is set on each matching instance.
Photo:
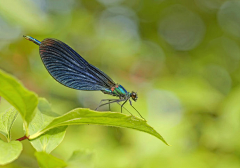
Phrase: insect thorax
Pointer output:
(117, 91)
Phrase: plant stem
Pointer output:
(22, 138)
(26, 128)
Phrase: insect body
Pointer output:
(120, 92)
(67, 67)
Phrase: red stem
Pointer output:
(22, 138)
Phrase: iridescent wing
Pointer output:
(70, 69)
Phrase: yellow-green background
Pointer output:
(181, 56)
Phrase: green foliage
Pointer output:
(46, 160)
(9, 151)
(6, 121)
(81, 158)
(46, 129)
(86, 116)
(50, 139)
(22, 99)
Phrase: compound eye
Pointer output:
(134, 96)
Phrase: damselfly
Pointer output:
(67, 67)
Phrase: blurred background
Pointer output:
(181, 56)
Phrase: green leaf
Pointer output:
(81, 158)
(46, 160)
(18, 96)
(6, 121)
(52, 138)
(87, 116)
(9, 151)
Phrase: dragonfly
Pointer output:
(67, 67)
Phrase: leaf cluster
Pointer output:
(45, 129)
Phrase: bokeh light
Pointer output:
(181, 28)
(181, 57)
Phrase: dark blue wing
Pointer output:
(70, 69)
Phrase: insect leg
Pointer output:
(125, 109)
(123, 104)
(111, 101)
(136, 110)
(116, 101)
(109, 105)
(99, 105)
